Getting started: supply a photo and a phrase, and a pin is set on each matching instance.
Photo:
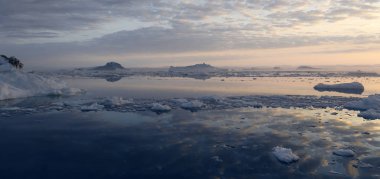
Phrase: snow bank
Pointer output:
(15, 83)
(344, 152)
(353, 88)
(284, 155)
(157, 107)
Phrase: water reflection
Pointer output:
(166, 87)
(180, 144)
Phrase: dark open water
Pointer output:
(180, 144)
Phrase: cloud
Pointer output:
(52, 29)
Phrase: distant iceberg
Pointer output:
(15, 83)
(351, 88)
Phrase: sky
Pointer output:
(156, 33)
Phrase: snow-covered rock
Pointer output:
(354, 87)
(157, 107)
(284, 155)
(92, 107)
(344, 152)
(15, 83)
(192, 105)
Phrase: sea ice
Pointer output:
(192, 105)
(369, 107)
(157, 107)
(344, 152)
(354, 88)
(92, 107)
(116, 101)
(284, 155)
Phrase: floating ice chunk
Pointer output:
(369, 107)
(213, 99)
(117, 101)
(344, 152)
(353, 88)
(284, 155)
(179, 101)
(192, 105)
(370, 114)
(157, 107)
(371, 102)
(92, 107)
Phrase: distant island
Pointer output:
(306, 68)
(197, 68)
(109, 66)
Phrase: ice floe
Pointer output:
(116, 101)
(369, 107)
(192, 105)
(344, 152)
(284, 155)
(353, 88)
(157, 107)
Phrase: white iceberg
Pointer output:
(157, 107)
(344, 152)
(353, 88)
(15, 83)
(284, 155)
(192, 105)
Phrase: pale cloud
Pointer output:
(47, 29)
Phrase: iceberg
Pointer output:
(284, 155)
(351, 88)
(15, 83)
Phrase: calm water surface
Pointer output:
(207, 144)
(159, 87)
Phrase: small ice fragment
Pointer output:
(284, 155)
(92, 107)
(192, 105)
(344, 152)
(157, 107)
(361, 164)
(116, 101)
